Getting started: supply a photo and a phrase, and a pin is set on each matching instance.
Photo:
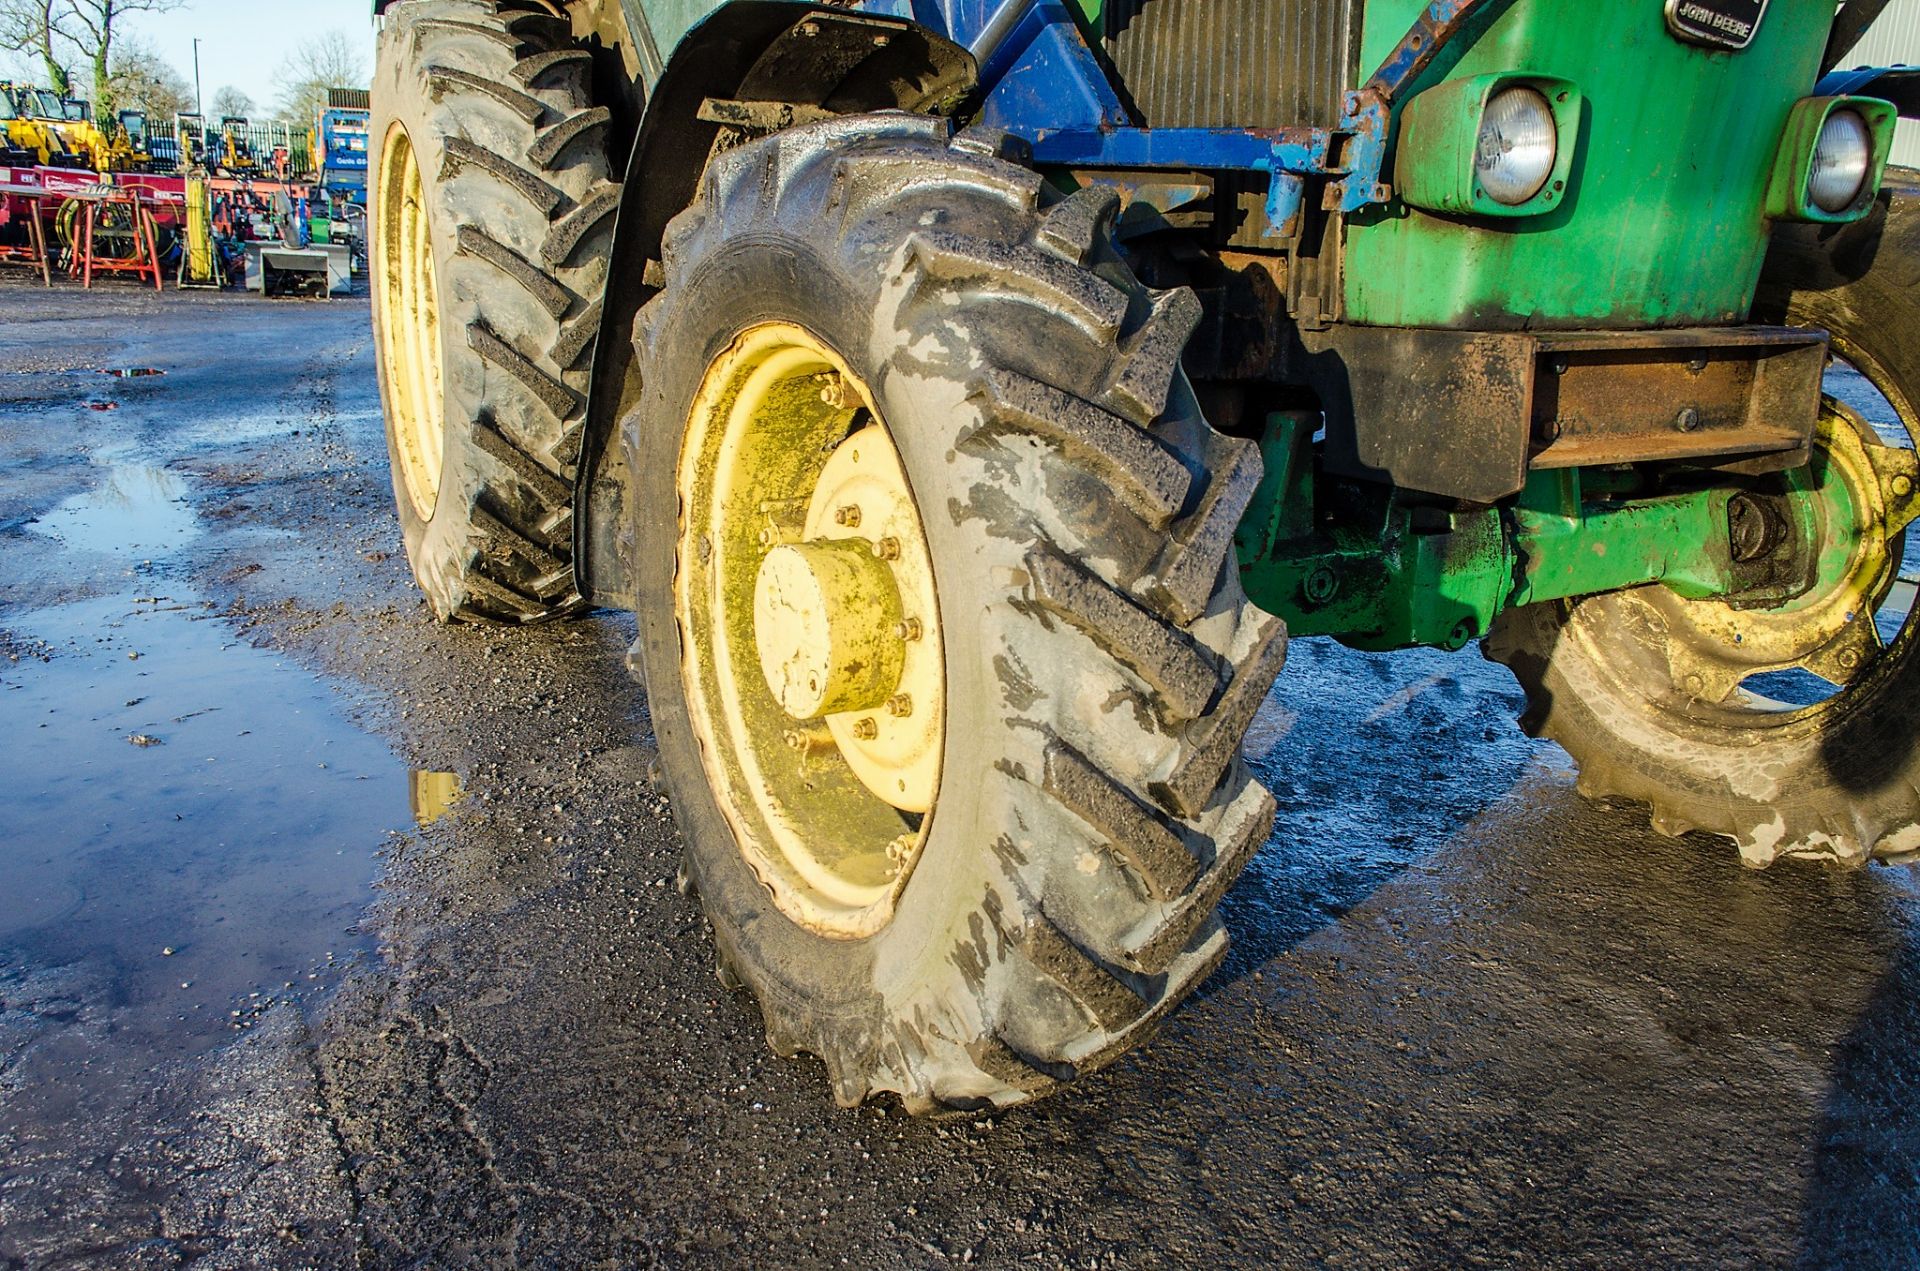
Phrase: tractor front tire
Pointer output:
(872, 285)
(1837, 779)
(492, 214)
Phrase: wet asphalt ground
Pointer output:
(330, 936)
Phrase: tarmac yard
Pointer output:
(330, 936)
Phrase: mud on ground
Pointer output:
(257, 1011)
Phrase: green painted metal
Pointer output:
(1663, 222)
(1092, 15)
(1440, 131)
(1787, 190)
(1379, 570)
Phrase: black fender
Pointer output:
(790, 54)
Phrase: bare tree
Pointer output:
(143, 80)
(32, 27)
(316, 65)
(92, 26)
(231, 102)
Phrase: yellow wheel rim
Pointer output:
(810, 630)
(409, 338)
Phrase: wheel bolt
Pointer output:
(899, 706)
(887, 548)
(848, 516)
(833, 390)
(907, 629)
(865, 729)
(808, 737)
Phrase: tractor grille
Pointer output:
(1234, 63)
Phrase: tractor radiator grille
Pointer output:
(1233, 63)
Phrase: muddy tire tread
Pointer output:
(500, 71)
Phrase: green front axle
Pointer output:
(1381, 568)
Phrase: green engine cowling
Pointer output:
(1663, 221)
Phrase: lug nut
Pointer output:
(833, 390)
(848, 516)
(1902, 486)
(887, 548)
(865, 729)
(907, 629)
(900, 706)
(809, 738)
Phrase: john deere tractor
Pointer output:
(969, 396)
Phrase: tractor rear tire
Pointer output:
(1837, 781)
(1101, 662)
(492, 215)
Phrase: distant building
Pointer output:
(1893, 40)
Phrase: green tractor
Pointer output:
(969, 396)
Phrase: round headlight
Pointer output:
(1840, 161)
(1514, 154)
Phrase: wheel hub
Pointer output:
(824, 614)
(1858, 500)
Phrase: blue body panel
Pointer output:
(1042, 82)
(342, 146)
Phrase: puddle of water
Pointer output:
(203, 796)
(136, 509)
(194, 814)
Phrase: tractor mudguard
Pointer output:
(835, 61)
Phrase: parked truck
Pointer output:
(970, 396)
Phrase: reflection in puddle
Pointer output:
(136, 508)
(432, 794)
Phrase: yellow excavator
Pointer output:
(45, 128)
(33, 119)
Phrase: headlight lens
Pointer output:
(1514, 154)
(1840, 161)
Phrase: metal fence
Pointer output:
(271, 151)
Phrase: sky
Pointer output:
(242, 42)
